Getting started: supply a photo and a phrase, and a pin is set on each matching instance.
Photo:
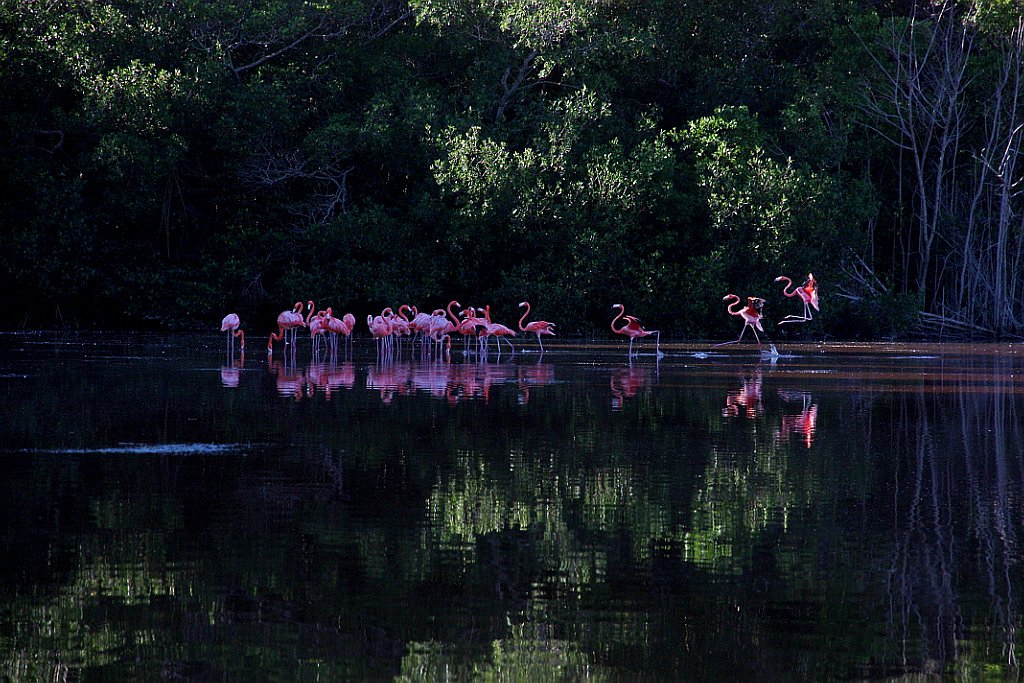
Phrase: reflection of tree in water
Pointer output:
(956, 495)
(746, 486)
(507, 538)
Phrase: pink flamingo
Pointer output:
(317, 328)
(439, 326)
(808, 293)
(230, 324)
(336, 326)
(751, 315)
(286, 320)
(538, 327)
(498, 330)
(420, 322)
(633, 329)
(381, 328)
(402, 321)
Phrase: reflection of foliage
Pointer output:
(735, 506)
(528, 653)
(501, 540)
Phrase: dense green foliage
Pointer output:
(165, 162)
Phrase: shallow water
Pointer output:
(838, 511)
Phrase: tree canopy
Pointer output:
(164, 162)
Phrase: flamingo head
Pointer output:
(810, 280)
(781, 278)
(523, 304)
(618, 306)
(756, 302)
(728, 296)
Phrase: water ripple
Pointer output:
(144, 449)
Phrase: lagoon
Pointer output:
(840, 511)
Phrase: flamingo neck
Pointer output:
(785, 288)
(310, 314)
(622, 312)
(521, 328)
(736, 302)
(454, 317)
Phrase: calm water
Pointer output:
(846, 511)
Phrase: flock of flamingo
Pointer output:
(477, 328)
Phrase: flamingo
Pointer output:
(439, 326)
(633, 329)
(751, 316)
(498, 330)
(318, 326)
(538, 327)
(808, 293)
(380, 328)
(343, 325)
(472, 326)
(286, 320)
(420, 322)
(230, 324)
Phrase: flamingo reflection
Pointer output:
(329, 377)
(452, 383)
(626, 383)
(291, 382)
(802, 424)
(533, 376)
(231, 371)
(747, 398)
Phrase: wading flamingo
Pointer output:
(420, 323)
(317, 329)
(538, 327)
(808, 293)
(498, 330)
(751, 316)
(230, 324)
(381, 329)
(633, 329)
(336, 326)
(286, 320)
(439, 326)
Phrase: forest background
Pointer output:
(167, 161)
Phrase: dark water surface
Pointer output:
(844, 511)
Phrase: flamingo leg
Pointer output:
(736, 340)
(541, 342)
(630, 353)
(806, 317)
